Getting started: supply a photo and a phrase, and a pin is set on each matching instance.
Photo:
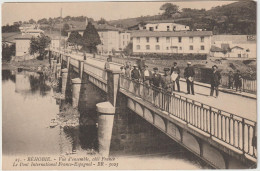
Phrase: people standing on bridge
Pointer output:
(175, 74)
(238, 81)
(146, 80)
(230, 80)
(107, 64)
(167, 87)
(156, 82)
(141, 65)
(135, 75)
(189, 76)
(215, 80)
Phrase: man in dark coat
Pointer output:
(156, 82)
(230, 80)
(214, 80)
(189, 76)
(167, 87)
(175, 69)
(238, 80)
(135, 75)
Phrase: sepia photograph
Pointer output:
(129, 85)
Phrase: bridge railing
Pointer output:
(225, 127)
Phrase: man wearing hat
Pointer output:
(146, 80)
(215, 80)
(156, 81)
(189, 76)
(167, 86)
(135, 75)
(175, 71)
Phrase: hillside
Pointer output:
(235, 18)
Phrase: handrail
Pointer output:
(229, 128)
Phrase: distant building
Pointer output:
(112, 38)
(239, 46)
(22, 44)
(55, 42)
(163, 25)
(198, 42)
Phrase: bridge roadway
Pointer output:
(214, 132)
(233, 103)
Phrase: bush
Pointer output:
(8, 52)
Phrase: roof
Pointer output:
(99, 27)
(159, 21)
(216, 49)
(9, 37)
(225, 46)
(235, 39)
(170, 34)
(237, 47)
(26, 36)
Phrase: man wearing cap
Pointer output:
(156, 81)
(135, 75)
(189, 76)
(146, 80)
(167, 86)
(215, 80)
(175, 73)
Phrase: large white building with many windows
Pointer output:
(184, 42)
(163, 25)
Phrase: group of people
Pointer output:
(235, 80)
(170, 80)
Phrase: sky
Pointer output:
(12, 12)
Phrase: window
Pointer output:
(123, 36)
(138, 47)
(123, 43)
(157, 47)
(167, 39)
(191, 39)
(167, 48)
(157, 39)
(138, 39)
(202, 39)
(147, 39)
(180, 48)
(179, 39)
(202, 48)
(191, 47)
(156, 27)
(168, 28)
(147, 47)
(151, 28)
(127, 36)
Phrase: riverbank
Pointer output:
(30, 65)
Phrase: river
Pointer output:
(29, 105)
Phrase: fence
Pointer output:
(249, 86)
(229, 128)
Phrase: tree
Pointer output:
(75, 39)
(128, 50)
(64, 30)
(90, 39)
(38, 45)
(8, 52)
(32, 21)
(102, 21)
(169, 9)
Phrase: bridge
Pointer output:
(222, 135)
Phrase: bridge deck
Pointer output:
(233, 103)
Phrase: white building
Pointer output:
(240, 46)
(112, 39)
(22, 45)
(198, 42)
(163, 25)
(34, 32)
